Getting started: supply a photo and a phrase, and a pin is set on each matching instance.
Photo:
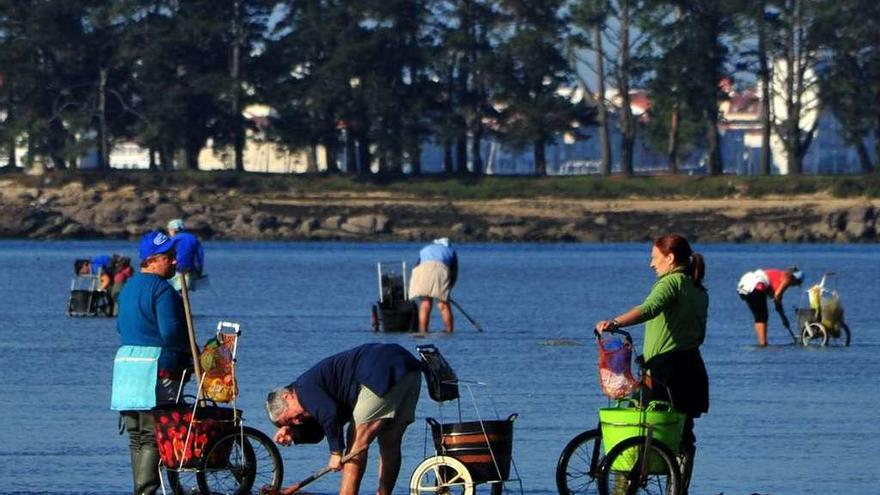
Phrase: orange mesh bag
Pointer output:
(218, 365)
(615, 377)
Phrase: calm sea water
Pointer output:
(783, 420)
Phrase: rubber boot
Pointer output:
(145, 467)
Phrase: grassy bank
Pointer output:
(489, 187)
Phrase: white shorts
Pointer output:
(430, 279)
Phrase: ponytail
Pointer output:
(696, 269)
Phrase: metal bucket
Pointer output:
(485, 447)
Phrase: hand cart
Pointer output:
(393, 312)
(466, 453)
(821, 322)
(86, 298)
(206, 448)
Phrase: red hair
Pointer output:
(682, 254)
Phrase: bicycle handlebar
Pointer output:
(617, 331)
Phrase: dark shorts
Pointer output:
(757, 302)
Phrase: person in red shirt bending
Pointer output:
(757, 286)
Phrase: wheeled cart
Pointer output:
(466, 453)
(205, 448)
(86, 299)
(393, 312)
(821, 324)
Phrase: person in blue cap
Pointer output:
(99, 266)
(149, 367)
(190, 255)
(433, 278)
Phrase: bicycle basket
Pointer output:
(182, 440)
(615, 377)
(620, 423)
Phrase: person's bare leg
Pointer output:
(425, 314)
(390, 439)
(761, 330)
(446, 313)
(353, 469)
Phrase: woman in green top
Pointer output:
(675, 312)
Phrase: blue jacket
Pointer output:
(151, 314)
(329, 390)
(190, 255)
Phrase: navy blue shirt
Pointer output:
(151, 314)
(329, 390)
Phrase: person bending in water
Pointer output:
(757, 286)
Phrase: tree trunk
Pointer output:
(191, 158)
(476, 156)
(672, 142)
(364, 167)
(238, 134)
(103, 139)
(601, 107)
(461, 154)
(330, 151)
(56, 139)
(312, 160)
(10, 149)
(447, 157)
(877, 122)
(864, 158)
(152, 157)
(713, 136)
(627, 126)
(713, 142)
(765, 78)
(540, 158)
(350, 153)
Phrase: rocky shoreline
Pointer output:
(72, 209)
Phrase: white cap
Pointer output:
(444, 241)
(176, 224)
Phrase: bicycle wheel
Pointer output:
(441, 474)
(627, 470)
(843, 336)
(578, 467)
(239, 462)
(182, 482)
(814, 334)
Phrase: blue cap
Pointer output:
(153, 243)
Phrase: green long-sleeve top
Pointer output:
(675, 313)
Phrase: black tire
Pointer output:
(374, 318)
(664, 479)
(814, 334)
(577, 470)
(233, 467)
(843, 337)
